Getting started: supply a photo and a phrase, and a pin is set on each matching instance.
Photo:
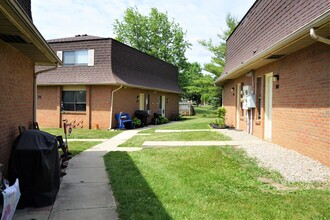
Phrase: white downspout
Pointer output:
(318, 38)
(111, 106)
(35, 90)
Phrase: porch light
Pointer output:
(276, 78)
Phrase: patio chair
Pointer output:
(21, 129)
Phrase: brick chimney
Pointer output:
(26, 5)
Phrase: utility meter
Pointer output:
(249, 99)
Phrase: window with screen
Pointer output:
(147, 104)
(78, 57)
(242, 110)
(74, 101)
(259, 90)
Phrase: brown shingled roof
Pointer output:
(79, 37)
(114, 64)
(266, 24)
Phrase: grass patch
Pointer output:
(138, 140)
(76, 147)
(188, 123)
(206, 111)
(204, 183)
(83, 133)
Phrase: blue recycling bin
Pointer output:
(124, 120)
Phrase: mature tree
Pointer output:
(218, 58)
(154, 35)
(203, 86)
(191, 73)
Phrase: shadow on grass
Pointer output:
(135, 199)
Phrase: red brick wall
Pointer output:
(16, 97)
(98, 105)
(301, 103)
(48, 108)
(128, 102)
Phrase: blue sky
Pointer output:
(201, 19)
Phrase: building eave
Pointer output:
(15, 22)
(113, 84)
(289, 44)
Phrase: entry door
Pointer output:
(268, 106)
(238, 104)
(141, 100)
(162, 103)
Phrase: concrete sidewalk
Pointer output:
(85, 192)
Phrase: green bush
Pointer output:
(221, 113)
(136, 122)
(163, 120)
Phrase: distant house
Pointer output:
(21, 47)
(101, 77)
(277, 75)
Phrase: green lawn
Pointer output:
(192, 122)
(82, 133)
(205, 111)
(204, 183)
(138, 140)
(76, 147)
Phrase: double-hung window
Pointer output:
(75, 58)
(74, 101)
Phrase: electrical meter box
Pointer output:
(249, 99)
(247, 90)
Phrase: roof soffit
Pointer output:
(14, 23)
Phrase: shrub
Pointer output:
(221, 113)
(163, 120)
(136, 122)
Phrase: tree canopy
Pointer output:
(218, 59)
(154, 34)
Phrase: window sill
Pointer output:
(73, 113)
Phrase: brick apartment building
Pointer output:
(21, 47)
(281, 50)
(101, 77)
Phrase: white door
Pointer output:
(268, 106)
(162, 104)
(141, 100)
(238, 104)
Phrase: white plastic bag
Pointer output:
(11, 197)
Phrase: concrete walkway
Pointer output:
(85, 192)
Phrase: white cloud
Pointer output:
(201, 19)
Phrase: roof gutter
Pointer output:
(318, 38)
(284, 42)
